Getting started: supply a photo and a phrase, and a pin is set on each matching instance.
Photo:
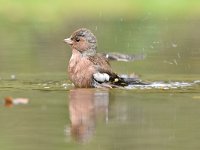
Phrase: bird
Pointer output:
(89, 69)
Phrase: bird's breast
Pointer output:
(80, 71)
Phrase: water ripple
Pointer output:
(66, 85)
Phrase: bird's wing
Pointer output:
(104, 72)
(100, 62)
(123, 57)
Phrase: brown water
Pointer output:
(164, 115)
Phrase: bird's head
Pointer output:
(83, 40)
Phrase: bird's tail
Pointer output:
(133, 81)
(125, 81)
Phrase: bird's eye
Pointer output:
(77, 39)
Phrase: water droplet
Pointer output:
(168, 62)
(174, 45)
(47, 87)
(179, 56)
(156, 42)
(175, 62)
(151, 46)
(13, 77)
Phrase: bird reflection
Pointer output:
(85, 106)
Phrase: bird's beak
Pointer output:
(68, 41)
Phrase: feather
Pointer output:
(101, 77)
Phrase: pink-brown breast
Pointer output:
(80, 70)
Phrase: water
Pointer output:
(100, 117)
(162, 115)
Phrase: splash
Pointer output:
(165, 85)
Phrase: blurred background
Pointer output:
(166, 32)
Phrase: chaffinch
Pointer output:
(89, 69)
